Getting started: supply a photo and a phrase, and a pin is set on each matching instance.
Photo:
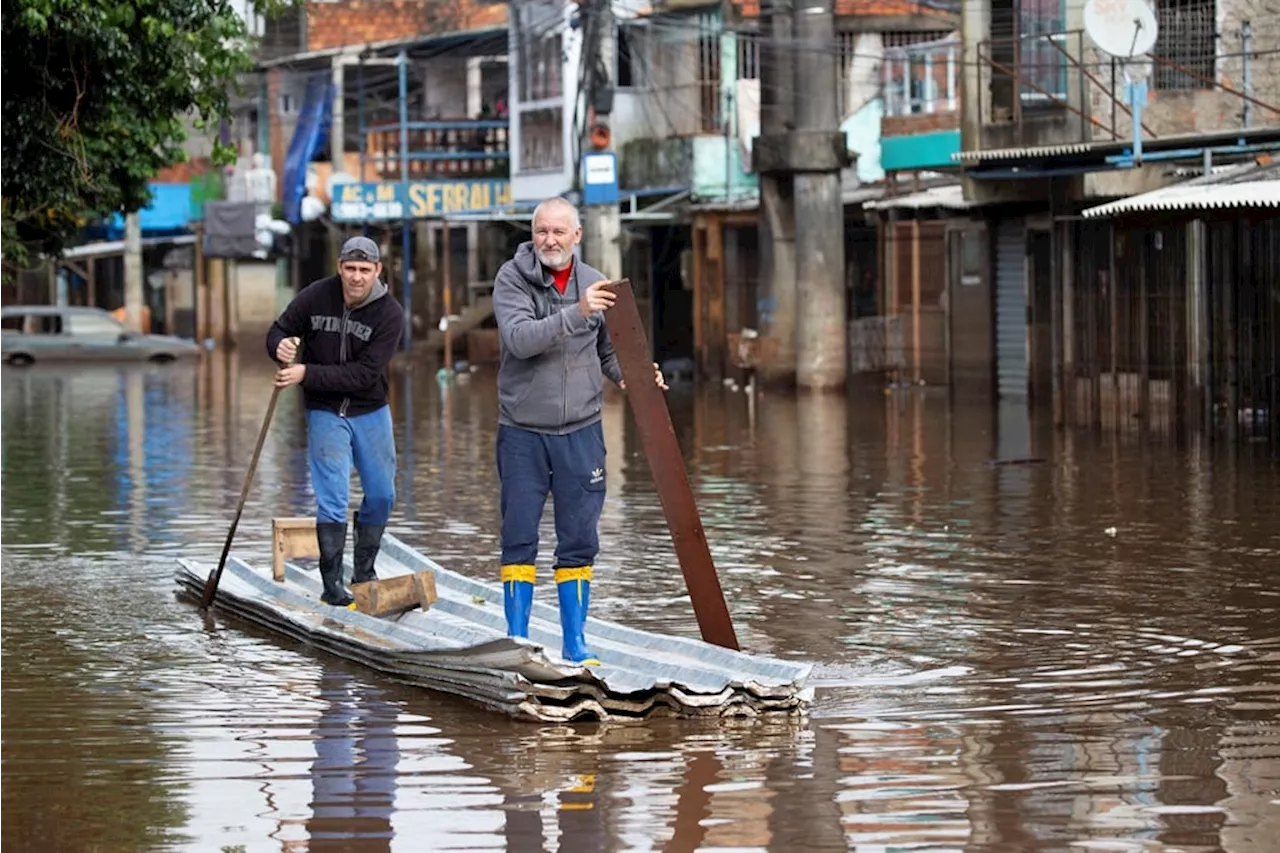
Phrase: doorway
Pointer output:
(1040, 315)
(672, 295)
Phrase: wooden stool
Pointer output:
(291, 537)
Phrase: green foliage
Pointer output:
(95, 100)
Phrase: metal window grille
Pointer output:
(708, 74)
(1187, 36)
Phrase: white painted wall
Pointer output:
(256, 294)
(537, 185)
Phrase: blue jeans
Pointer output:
(571, 468)
(334, 443)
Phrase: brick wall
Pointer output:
(922, 123)
(183, 173)
(342, 22)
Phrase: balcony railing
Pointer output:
(441, 150)
(1030, 73)
(921, 78)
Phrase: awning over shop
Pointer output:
(949, 197)
(1250, 186)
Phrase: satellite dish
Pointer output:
(1122, 28)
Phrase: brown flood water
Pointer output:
(1079, 655)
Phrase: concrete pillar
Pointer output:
(821, 330)
(133, 272)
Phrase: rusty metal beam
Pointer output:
(1110, 93)
(76, 268)
(658, 437)
(1169, 63)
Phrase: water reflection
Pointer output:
(1072, 653)
(353, 776)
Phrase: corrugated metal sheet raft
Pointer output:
(459, 646)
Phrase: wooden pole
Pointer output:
(447, 291)
(231, 302)
(658, 436)
(211, 583)
(217, 282)
(201, 305)
(915, 299)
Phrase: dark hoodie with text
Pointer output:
(346, 350)
(553, 360)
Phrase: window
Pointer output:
(919, 71)
(630, 45)
(284, 33)
(1043, 64)
(93, 326)
(1186, 36)
(541, 139)
(34, 324)
(748, 56)
(1027, 38)
(541, 68)
(709, 75)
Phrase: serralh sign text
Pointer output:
(374, 200)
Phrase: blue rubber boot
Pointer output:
(517, 598)
(574, 589)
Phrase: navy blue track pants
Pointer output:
(570, 468)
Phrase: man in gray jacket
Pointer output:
(555, 354)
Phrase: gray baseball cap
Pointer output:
(360, 249)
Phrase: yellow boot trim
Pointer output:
(582, 573)
(526, 574)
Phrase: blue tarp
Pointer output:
(170, 210)
(309, 137)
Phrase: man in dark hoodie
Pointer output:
(555, 354)
(348, 326)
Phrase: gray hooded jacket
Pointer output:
(553, 360)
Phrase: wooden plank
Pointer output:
(291, 537)
(391, 596)
(713, 296)
(658, 437)
(699, 295)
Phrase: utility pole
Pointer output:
(133, 272)
(601, 222)
(821, 331)
(777, 217)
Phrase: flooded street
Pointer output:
(1081, 653)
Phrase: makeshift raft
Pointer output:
(459, 646)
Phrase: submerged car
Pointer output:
(46, 333)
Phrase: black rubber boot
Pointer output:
(368, 540)
(332, 537)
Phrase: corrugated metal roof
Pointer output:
(1255, 194)
(1023, 151)
(384, 48)
(1098, 147)
(1247, 186)
(950, 197)
(460, 646)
